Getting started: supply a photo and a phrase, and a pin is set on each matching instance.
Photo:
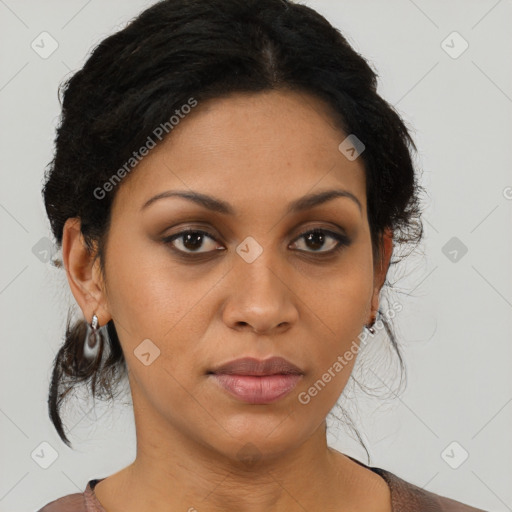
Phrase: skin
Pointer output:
(258, 152)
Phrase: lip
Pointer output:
(253, 366)
(257, 381)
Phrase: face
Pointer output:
(259, 275)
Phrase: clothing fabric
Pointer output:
(405, 497)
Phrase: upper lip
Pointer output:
(253, 366)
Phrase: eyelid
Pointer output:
(175, 236)
(341, 238)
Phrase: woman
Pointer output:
(228, 189)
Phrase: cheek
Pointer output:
(145, 292)
(152, 297)
(340, 299)
(337, 311)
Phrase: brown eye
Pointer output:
(318, 239)
(191, 241)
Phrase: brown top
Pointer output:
(405, 497)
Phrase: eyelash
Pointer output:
(343, 241)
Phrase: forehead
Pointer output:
(262, 147)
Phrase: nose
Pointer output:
(260, 297)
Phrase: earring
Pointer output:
(371, 328)
(92, 339)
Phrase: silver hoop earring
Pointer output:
(92, 339)
(371, 328)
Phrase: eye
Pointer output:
(190, 240)
(317, 239)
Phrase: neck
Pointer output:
(173, 471)
(195, 477)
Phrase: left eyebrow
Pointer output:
(312, 200)
(211, 203)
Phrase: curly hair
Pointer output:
(135, 79)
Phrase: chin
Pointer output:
(254, 441)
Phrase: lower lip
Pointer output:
(258, 389)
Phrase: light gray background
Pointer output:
(455, 327)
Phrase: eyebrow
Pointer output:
(211, 203)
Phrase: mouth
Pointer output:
(255, 381)
(256, 367)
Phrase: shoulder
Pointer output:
(77, 502)
(70, 503)
(407, 497)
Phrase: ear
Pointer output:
(381, 269)
(83, 273)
